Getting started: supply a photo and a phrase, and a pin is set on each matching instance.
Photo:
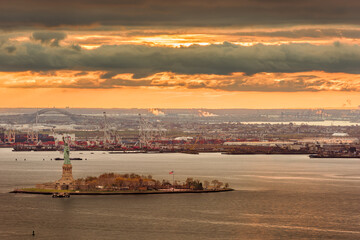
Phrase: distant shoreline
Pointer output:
(120, 193)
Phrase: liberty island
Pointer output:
(119, 184)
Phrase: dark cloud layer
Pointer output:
(220, 59)
(10, 49)
(25, 13)
(51, 38)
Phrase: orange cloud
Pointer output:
(260, 82)
(170, 37)
(317, 35)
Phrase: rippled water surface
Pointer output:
(276, 197)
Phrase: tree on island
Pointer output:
(206, 184)
(193, 184)
(215, 183)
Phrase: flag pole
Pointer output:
(173, 181)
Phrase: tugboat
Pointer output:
(61, 195)
(190, 152)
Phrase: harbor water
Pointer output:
(276, 197)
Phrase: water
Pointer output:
(276, 197)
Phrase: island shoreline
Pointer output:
(122, 193)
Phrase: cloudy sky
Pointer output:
(180, 54)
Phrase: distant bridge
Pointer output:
(31, 118)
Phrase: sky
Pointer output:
(180, 54)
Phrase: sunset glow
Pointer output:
(235, 57)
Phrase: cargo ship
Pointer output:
(24, 148)
(334, 155)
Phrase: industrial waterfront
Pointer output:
(277, 196)
(186, 131)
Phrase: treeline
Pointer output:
(113, 181)
(132, 181)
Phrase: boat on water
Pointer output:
(333, 156)
(28, 148)
(190, 152)
(127, 152)
(60, 195)
(58, 159)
